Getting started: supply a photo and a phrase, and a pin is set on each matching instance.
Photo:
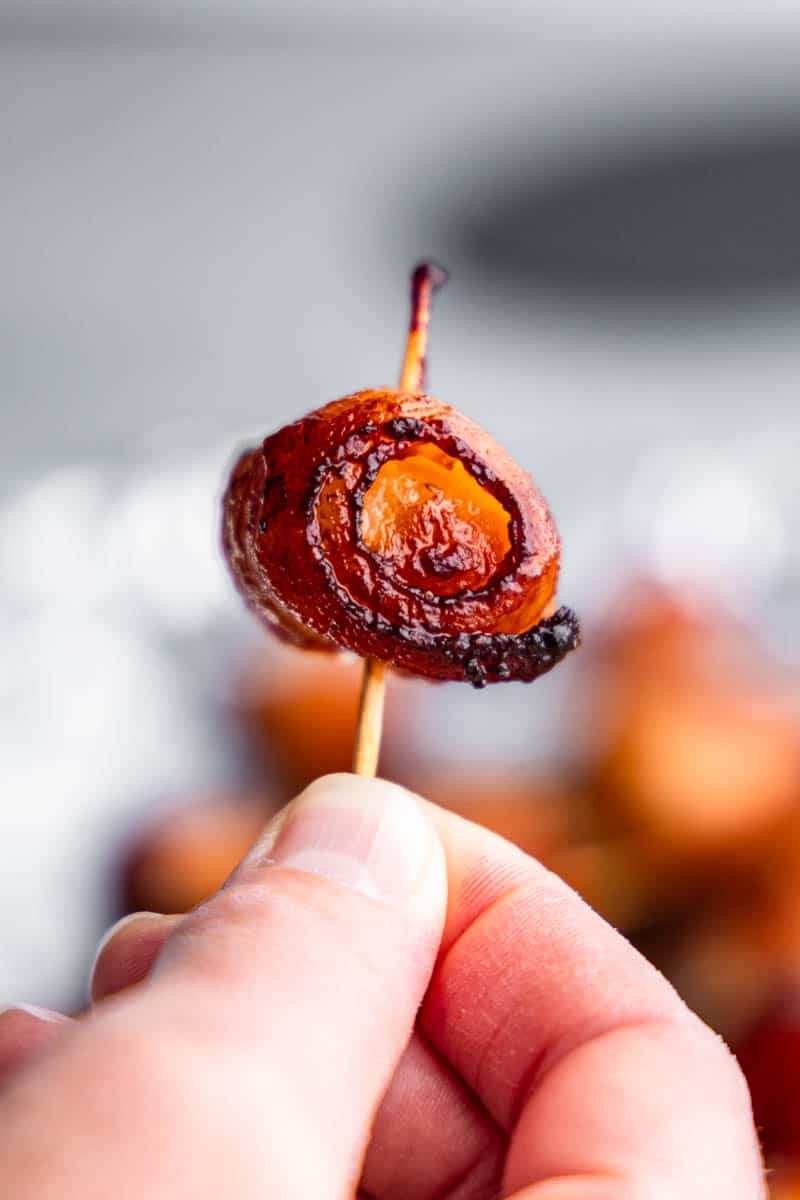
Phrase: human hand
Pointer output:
(265, 1050)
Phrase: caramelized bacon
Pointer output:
(389, 524)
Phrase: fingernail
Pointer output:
(366, 835)
(114, 930)
(33, 1010)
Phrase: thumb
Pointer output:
(315, 957)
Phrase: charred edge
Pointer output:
(426, 277)
(315, 486)
(481, 658)
(497, 657)
(406, 429)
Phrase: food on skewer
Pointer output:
(389, 524)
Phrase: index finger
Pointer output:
(607, 1085)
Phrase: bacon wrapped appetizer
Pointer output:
(390, 525)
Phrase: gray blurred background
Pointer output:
(209, 211)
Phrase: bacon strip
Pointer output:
(389, 524)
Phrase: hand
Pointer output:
(265, 1052)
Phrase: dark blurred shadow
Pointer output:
(717, 219)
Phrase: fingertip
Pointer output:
(26, 1029)
(127, 951)
(32, 1012)
(654, 1099)
(369, 835)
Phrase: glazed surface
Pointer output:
(389, 524)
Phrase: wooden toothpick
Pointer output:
(370, 718)
(425, 280)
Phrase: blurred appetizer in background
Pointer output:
(186, 856)
(300, 713)
(691, 739)
(769, 1053)
(526, 808)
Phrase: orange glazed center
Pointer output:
(433, 522)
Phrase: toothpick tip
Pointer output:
(429, 272)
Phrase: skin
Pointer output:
(384, 1001)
